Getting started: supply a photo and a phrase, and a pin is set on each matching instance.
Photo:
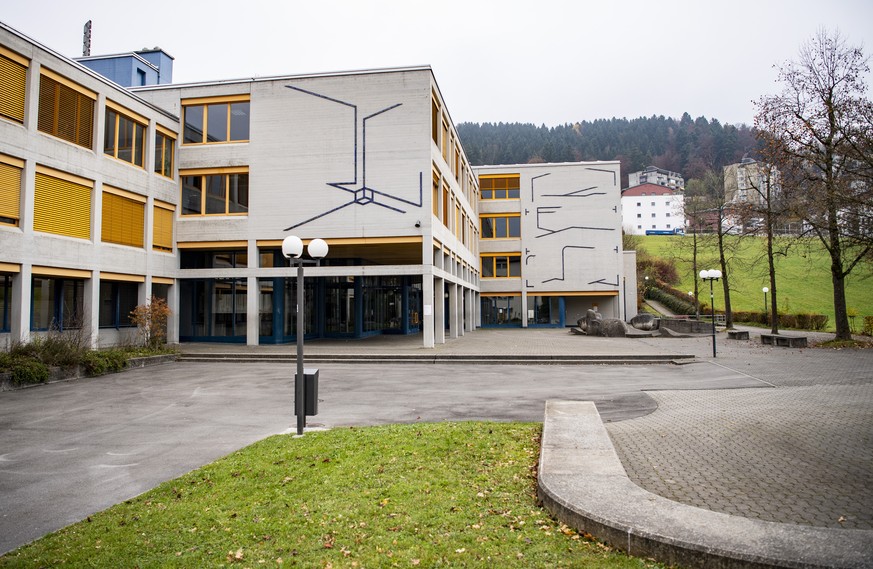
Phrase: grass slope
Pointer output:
(803, 277)
(428, 495)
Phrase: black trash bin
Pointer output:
(310, 376)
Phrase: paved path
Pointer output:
(792, 425)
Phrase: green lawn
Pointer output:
(802, 277)
(427, 495)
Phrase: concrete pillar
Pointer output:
(22, 291)
(427, 317)
(454, 311)
(173, 318)
(253, 313)
(439, 311)
(470, 319)
(91, 310)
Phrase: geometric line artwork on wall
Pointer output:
(545, 210)
(564, 261)
(360, 193)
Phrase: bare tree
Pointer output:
(818, 134)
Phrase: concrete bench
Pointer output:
(784, 341)
(738, 335)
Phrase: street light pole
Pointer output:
(766, 310)
(292, 249)
(711, 275)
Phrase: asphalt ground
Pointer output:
(757, 425)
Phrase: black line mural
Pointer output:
(564, 261)
(361, 194)
(550, 224)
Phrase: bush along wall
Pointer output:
(802, 321)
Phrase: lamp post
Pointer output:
(766, 311)
(292, 249)
(711, 275)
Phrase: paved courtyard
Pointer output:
(771, 433)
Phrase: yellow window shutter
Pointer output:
(163, 229)
(122, 220)
(10, 192)
(62, 207)
(12, 88)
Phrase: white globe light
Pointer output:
(317, 248)
(292, 246)
(704, 274)
(715, 274)
(766, 290)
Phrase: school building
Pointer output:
(110, 194)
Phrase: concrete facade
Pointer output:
(27, 253)
(569, 247)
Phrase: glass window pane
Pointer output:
(44, 291)
(487, 228)
(500, 228)
(74, 296)
(194, 124)
(487, 194)
(216, 123)
(512, 193)
(487, 267)
(515, 266)
(501, 266)
(107, 305)
(238, 193)
(139, 145)
(215, 194)
(239, 121)
(128, 295)
(192, 190)
(514, 226)
(109, 133)
(125, 139)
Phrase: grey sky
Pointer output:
(546, 62)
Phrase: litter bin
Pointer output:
(310, 376)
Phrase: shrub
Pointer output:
(26, 371)
(868, 326)
(676, 305)
(104, 361)
(803, 321)
(151, 319)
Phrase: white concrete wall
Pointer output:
(642, 213)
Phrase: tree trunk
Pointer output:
(774, 316)
(728, 316)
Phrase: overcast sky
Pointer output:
(545, 62)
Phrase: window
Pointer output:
(10, 189)
(13, 76)
(668, 226)
(216, 120)
(162, 234)
(124, 135)
(436, 193)
(501, 310)
(500, 187)
(435, 114)
(668, 214)
(639, 215)
(500, 226)
(165, 149)
(216, 192)
(653, 215)
(639, 226)
(62, 204)
(653, 203)
(57, 303)
(123, 217)
(66, 110)
(501, 266)
(117, 301)
(639, 204)
(213, 259)
(5, 299)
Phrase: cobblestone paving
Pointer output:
(798, 452)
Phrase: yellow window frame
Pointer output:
(123, 218)
(10, 190)
(13, 85)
